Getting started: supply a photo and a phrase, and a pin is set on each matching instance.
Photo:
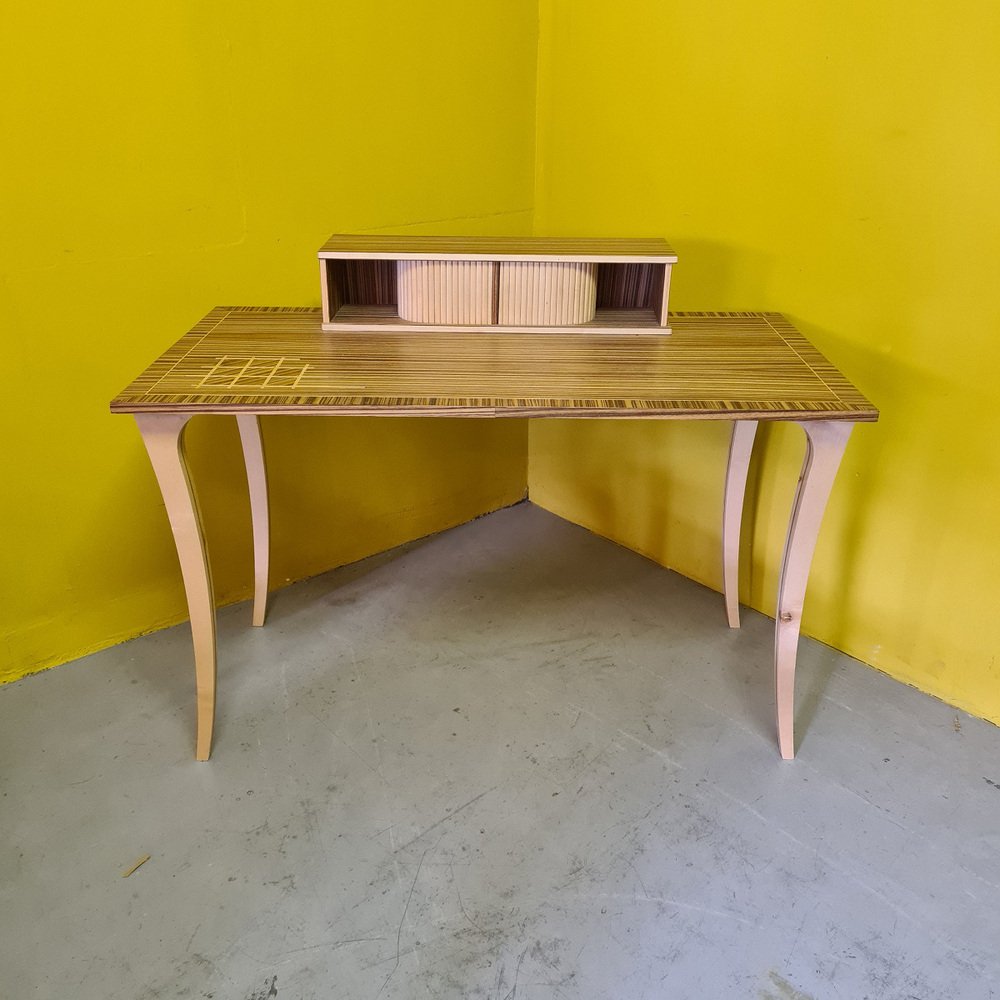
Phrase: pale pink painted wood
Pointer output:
(825, 443)
(163, 435)
(740, 449)
(253, 456)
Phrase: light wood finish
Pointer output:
(330, 301)
(540, 283)
(662, 296)
(619, 322)
(253, 457)
(740, 449)
(278, 360)
(163, 435)
(825, 444)
(546, 293)
(737, 366)
(452, 292)
(393, 247)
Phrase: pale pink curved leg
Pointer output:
(740, 448)
(163, 434)
(825, 443)
(253, 456)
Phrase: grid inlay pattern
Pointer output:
(279, 360)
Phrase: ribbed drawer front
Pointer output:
(534, 293)
(457, 292)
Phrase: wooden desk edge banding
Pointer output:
(253, 361)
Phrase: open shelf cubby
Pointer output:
(495, 283)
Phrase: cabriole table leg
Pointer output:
(825, 443)
(253, 456)
(163, 435)
(740, 448)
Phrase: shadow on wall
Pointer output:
(644, 483)
(397, 479)
(720, 276)
(656, 486)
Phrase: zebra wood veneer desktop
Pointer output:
(744, 367)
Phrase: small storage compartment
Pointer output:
(640, 289)
(355, 285)
(543, 293)
(504, 282)
(445, 292)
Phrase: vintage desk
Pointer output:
(249, 362)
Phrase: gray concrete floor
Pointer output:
(510, 761)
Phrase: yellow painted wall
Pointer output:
(839, 163)
(835, 162)
(159, 160)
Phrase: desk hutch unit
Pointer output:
(505, 283)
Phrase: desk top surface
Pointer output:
(279, 360)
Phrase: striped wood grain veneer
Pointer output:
(349, 245)
(279, 360)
